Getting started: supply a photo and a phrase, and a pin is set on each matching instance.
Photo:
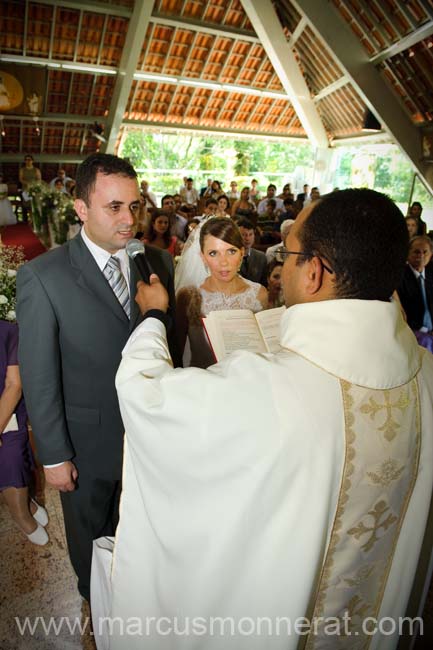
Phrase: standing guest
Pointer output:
(177, 221)
(270, 195)
(416, 290)
(288, 487)
(244, 208)
(233, 195)
(158, 233)
(28, 174)
(254, 265)
(275, 288)
(16, 457)
(206, 191)
(302, 196)
(189, 197)
(255, 194)
(77, 302)
(7, 216)
(148, 196)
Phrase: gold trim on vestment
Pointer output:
(383, 439)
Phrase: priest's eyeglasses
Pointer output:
(282, 253)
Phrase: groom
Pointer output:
(73, 326)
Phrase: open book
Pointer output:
(240, 329)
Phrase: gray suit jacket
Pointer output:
(72, 331)
(257, 267)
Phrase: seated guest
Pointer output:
(177, 222)
(61, 174)
(412, 226)
(415, 211)
(244, 208)
(254, 265)
(221, 251)
(270, 195)
(268, 223)
(210, 207)
(7, 215)
(58, 186)
(275, 292)
(158, 233)
(216, 190)
(416, 290)
(223, 209)
(287, 193)
(271, 252)
(233, 195)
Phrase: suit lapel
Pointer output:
(91, 279)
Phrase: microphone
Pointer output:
(135, 250)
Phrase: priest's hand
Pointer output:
(151, 296)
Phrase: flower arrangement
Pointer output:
(11, 258)
(52, 208)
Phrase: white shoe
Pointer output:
(39, 536)
(40, 515)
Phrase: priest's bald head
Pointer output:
(349, 244)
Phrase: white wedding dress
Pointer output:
(201, 355)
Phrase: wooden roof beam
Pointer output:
(326, 21)
(137, 28)
(268, 28)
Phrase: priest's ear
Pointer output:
(81, 209)
(316, 282)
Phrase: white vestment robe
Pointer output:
(269, 488)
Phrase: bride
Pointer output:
(221, 253)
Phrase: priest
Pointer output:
(279, 500)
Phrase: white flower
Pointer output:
(11, 315)
(3, 300)
(11, 273)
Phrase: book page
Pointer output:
(269, 325)
(233, 330)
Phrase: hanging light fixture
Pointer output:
(2, 128)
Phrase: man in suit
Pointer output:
(254, 264)
(416, 287)
(73, 325)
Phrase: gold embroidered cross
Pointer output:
(372, 408)
(377, 513)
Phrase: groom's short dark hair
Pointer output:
(103, 163)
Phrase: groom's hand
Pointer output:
(62, 477)
(151, 296)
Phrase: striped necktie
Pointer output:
(427, 321)
(117, 282)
